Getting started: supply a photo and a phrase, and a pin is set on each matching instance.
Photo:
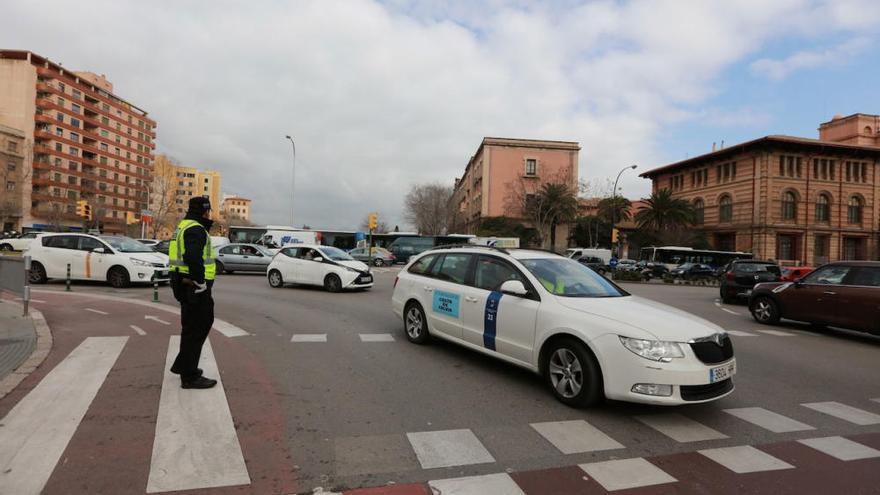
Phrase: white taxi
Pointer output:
(118, 260)
(588, 337)
(325, 266)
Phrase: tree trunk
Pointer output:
(553, 236)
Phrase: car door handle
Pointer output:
(428, 289)
(471, 299)
(830, 293)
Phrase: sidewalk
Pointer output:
(24, 343)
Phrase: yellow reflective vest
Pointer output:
(177, 248)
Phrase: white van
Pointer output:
(578, 253)
(276, 239)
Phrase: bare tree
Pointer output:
(163, 197)
(426, 207)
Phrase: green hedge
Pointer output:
(627, 276)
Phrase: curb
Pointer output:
(39, 354)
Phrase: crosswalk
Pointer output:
(196, 445)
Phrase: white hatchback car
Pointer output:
(325, 266)
(19, 243)
(118, 260)
(588, 337)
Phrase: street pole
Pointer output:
(614, 204)
(292, 183)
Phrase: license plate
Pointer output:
(366, 279)
(163, 274)
(722, 372)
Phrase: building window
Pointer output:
(789, 207)
(59, 117)
(856, 172)
(74, 122)
(790, 166)
(12, 146)
(75, 108)
(854, 248)
(786, 245)
(699, 211)
(74, 137)
(10, 185)
(10, 166)
(77, 94)
(823, 169)
(821, 247)
(854, 210)
(823, 206)
(59, 132)
(725, 209)
(531, 167)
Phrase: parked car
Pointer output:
(741, 276)
(118, 260)
(162, 247)
(626, 265)
(650, 270)
(844, 294)
(242, 258)
(325, 266)
(792, 273)
(19, 243)
(595, 263)
(379, 257)
(689, 271)
(578, 253)
(587, 337)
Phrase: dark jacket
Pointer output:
(194, 240)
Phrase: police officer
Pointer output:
(192, 276)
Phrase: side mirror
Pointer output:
(318, 259)
(99, 250)
(799, 282)
(514, 288)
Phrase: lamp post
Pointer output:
(614, 204)
(292, 182)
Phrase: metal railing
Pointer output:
(14, 277)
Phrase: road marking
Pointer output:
(738, 333)
(626, 473)
(98, 311)
(376, 337)
(845, 412)
(768, 420)
(717, 303)
(448, 448)
(876, 400)
(841, 448)
(501, 484)
(574, 437)
(37, 430)
(778, 333)
(157, 320)
(680, 428)
(745, 459)
(729, 311)
(195, 444)
(309, 337)
(138, 329)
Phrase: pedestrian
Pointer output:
(192, 278)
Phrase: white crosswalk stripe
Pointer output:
(680, 428)
(376, 337)
(195, 445)
(574, 437)
(37, 430)
(841, 448)
(745, 459)
(496, 484)
(847, 413)
(448, 448)
(309, 337)
(768, 420)
(627, 473)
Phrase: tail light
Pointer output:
(730, 276)
(395, 282)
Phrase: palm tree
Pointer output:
(557, 203)
(664, 212)
(614, 209)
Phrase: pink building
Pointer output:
(501, 169)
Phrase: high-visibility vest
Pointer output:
(557, 289)
(177, 248)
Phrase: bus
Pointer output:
(672, 256)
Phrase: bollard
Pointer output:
(26, 292)
(67, 288)
(155, 291)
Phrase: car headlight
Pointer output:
(140, 262)
(655, 350)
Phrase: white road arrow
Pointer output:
(157, 320)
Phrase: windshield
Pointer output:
(336, 254)
(126, 244)
(568, 278)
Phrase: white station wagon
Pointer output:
(118, 260)
(325, 266)
(588, 337)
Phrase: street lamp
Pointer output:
(292, 182)
(614, 204)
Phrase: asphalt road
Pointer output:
(348, 405)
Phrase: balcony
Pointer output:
(44, 118)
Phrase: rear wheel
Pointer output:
(764, 310)
(5, 247)
(415, 324)
(38, 274)
(275, 279)
(572, 373)
(379, 262)
(118, 277)
(221, 268)
(332, 283)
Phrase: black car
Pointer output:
(161, 247)
(650, 269)
(688, 271)
(595, 263)
(741, 276)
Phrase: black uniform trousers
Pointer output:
(196, 320)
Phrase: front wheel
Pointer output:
(332, 283)
(38, 274)
(764, 310)
(275, 279)
(5, 247)
(573, 374)
(118, 277)
(221, 268)
(378, 262)
(415, 324)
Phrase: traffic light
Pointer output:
(129, 218)
(88, 211)
(614, 234)
(372, 221)
(81, 207)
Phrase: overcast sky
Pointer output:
(381, 95)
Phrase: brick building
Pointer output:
(88, 143)
(235, 209)
(172, 187)
(796, 200)
(13, 149)
(499, 168)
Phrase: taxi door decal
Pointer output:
(490, 316)
(446, 303)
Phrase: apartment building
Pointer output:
(796, 200)
(235, 209)
(173, 186)
(13, 148)
(500, 169)
(88, 144)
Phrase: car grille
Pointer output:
(709, 352)
(706, 392)
(159, 265)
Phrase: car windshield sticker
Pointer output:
(446, 303)
(490, 317)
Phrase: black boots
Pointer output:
(199, 382)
